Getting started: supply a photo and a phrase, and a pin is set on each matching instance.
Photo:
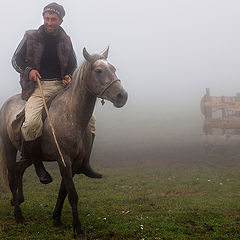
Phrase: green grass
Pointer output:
(196, 197)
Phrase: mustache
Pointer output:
(46, 25)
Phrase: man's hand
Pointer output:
(34, 74)
(67, 79)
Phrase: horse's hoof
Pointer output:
(81, 237)
(57, 223)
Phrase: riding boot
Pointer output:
(86, 168)
(33, 150)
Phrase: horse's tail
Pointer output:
(3, 166)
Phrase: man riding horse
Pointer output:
(45, 53)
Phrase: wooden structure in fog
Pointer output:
(221, 120)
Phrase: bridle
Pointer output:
(101, 94)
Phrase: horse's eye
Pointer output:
(98, 70)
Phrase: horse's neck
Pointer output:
(82, 106)
(85, 108)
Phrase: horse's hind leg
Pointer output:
(11, 152)
(21, 167)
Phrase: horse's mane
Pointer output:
(80, 76)
(81, 73)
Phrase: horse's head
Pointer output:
(102, 80)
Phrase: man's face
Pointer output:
(51, 23)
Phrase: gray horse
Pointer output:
(70, 113)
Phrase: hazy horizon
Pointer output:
(166, 54)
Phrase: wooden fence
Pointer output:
(221, 119)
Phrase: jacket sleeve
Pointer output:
(72, 62)
(19, 56)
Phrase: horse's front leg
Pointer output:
(68, 183)
(59, 205)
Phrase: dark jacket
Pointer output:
(29, 52)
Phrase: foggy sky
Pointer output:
(166, 53)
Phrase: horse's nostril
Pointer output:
(119, 97)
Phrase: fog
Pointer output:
(166, 52)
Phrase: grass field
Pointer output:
(183, 194)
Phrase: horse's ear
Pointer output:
(86, 55)
(105, 54)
